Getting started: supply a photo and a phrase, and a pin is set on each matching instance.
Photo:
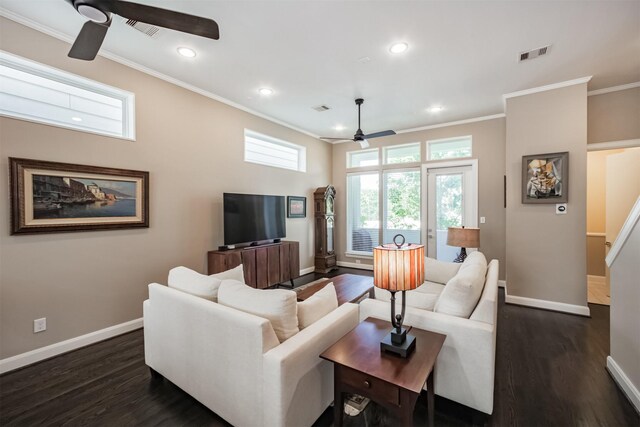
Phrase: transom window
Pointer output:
(39, 93)
(269, 151)
(405, 153)
(449, 148)
(360, 158)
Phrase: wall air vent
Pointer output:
(534, 53)
(321, 108)
(150, 30)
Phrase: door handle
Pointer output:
(607, 244)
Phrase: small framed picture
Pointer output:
(545, 178)
(49, 197)
(296, 207)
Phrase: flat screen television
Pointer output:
(251, 218)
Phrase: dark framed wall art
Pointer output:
(545, 178)
(49, 197)
(296, 207)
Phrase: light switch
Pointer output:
(482, 220)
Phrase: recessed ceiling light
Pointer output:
(339, 127)
(76, 119)
(436, 109)
(265, 91)
(186, 52)
(398, 47)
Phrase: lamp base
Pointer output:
(461, 256)
(402, 350)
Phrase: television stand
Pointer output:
(263, 265)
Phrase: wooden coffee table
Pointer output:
(349, 287)
(360, 367)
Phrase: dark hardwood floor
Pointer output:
(550, 371)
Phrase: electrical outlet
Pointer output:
(561, 209)
(40, 325)
(482, 220)
(357, 261)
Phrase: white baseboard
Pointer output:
(39, 354)
(307, 270)
(547, 305)
(502, 284)
(354, 265)
(623, 381)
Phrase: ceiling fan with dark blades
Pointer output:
(360, 137)
(99, 13)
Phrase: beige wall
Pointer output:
(614, 116)
(488, 147)
(546, 252)
(193, 148)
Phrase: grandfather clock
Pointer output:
(323, 199)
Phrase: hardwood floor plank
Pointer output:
(550, 371)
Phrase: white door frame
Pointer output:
(473, 217)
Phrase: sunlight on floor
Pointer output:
(598, 290)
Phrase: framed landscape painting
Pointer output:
(545, 178)
(296, 207)
(48, 197)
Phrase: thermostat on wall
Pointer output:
(561, 208)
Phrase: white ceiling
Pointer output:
(462, 55)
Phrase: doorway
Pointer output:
(451, 201)
(613, 185)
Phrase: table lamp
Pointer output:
(463, 238)
(398, 267)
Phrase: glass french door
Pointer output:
(451, 202)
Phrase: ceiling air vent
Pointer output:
(534, 53)
(147, 29)
(321, 108)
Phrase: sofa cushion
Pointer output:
(279, 306)
(415, 298)
(186, 280)
(439, 271)
(474, 258)
(462, 293)
(317, 306)
(430, 288)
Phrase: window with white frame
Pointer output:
(269, 151)
(42, 94)
(361, 158)
(363, 212)
(405, 153)
(401, 205)
(449, 148)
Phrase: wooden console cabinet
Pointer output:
(264, 266)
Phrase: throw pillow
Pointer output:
(462, 293)
(186, 280)
(439, 271)
(279, 306)
(317, 306)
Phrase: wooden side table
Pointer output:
(360, 367)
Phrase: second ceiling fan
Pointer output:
(360, 137)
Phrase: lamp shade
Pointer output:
(398, 268)
(463, 237)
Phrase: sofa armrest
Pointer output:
(465, 368)
(298, 385)
(198, 344)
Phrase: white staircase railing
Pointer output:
(629, 223)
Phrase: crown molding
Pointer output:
(131, 64)
(454, 123)
(613, 89)
(547, 87)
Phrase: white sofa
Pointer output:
(233, 363)
(465, 368)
